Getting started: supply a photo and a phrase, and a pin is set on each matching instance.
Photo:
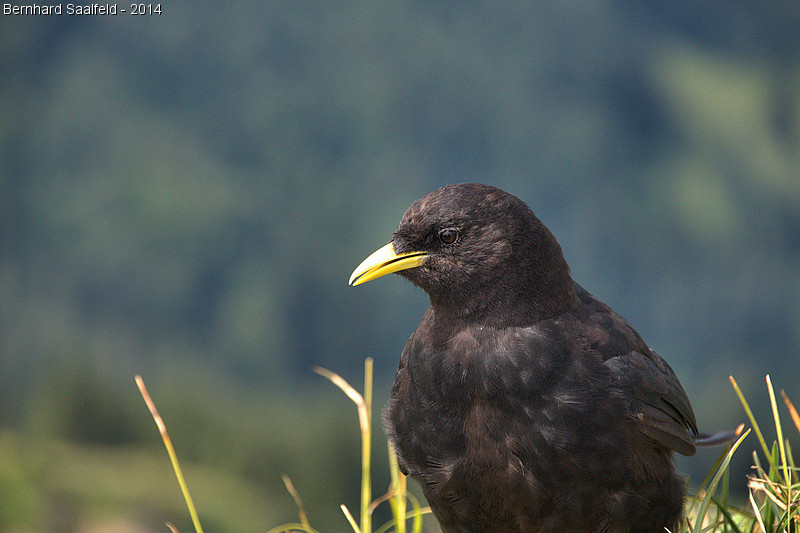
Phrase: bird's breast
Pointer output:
(466, 394)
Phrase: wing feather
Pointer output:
(658, 402)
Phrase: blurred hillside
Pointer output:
(184, 196)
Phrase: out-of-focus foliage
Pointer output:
(184, 196)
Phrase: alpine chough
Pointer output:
(522, 403)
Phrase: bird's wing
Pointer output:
(658, 402)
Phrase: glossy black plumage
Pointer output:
(522, 403)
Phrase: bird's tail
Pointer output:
(717, 439)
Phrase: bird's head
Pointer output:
(476, 249)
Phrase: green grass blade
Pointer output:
(757, 461)
(757, 513)
(729, 520)
(173, 457)
(366, 450)
(301, 512)
(292, 527)
(701, 513)
(350, 519)
(416, 514)
(773, 463)
(364, 405)
(750, 416)
(790, 458)
(726, 480)
(385, 527)
(398, 499)
(714, 469)
(779, 432)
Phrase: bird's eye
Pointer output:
(448, 235)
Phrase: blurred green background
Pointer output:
(184, 196)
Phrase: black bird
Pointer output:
(522, 403)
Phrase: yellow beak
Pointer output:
(385, 261)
